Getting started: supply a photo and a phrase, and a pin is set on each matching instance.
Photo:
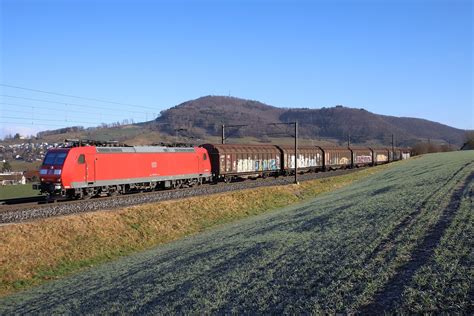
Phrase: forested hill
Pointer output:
(204, 116)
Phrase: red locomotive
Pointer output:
(86, 171)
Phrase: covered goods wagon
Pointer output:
(361, 156)
(233, 160)
(405, 153)
(380, 155)
(310, 158)
(336, 157)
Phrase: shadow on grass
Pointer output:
(390, 294)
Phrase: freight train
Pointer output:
(85, 170)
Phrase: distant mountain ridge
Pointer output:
(200, 120)
(205, 115)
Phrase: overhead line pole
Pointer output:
(296, 146)
(296, 152)
(393, 149)
(223, 138)
(223, 134)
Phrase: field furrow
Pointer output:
(444, 280)
(390, 295)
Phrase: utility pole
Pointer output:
(393, 149)
(296, 146)
(223, 137)
(349, 140)
(223, 134)
(296, 152)
(393, 146)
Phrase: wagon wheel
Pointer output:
(88, 193)
(113, 191)
(227, 179)
(78, 196)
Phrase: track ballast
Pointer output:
(21, 213)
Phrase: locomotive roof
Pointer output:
(145, 149)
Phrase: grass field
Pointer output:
(399, 240)
(32, 253)
(17, 191)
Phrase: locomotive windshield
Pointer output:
(54, 158)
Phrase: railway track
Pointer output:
(28, 211)
(31, 199)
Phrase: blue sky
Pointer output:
(402, 58)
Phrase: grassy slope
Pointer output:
(32, 253)
(364, 247)
(442, 283)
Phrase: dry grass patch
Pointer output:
(31, 253)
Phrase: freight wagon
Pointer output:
(245, 161)
(336, 157)
(381, 155)
(361, 156)
(395, 154)
(405, 153)
(310, 158)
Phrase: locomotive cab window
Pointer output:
(54, 158)
(204, 156)
(81, 159)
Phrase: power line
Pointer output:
(49, 120)
(72, 104)
(73, 96)
(33, 107)
(35, 124)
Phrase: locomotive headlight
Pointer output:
(57, 172)
(57, 187)
(43, 171)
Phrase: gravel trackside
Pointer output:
(357, 249)
(19, 213)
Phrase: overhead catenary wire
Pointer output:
(48, 120)
(74, 96)
(36, 124)
(62, 116)
(34, 107)
(72, 104)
